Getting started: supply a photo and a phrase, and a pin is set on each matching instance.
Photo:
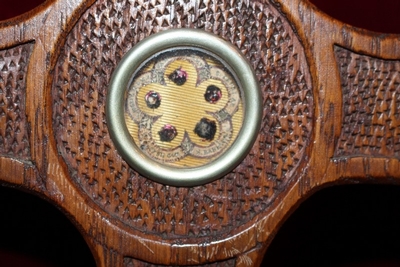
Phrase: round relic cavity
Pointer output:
(189, 109)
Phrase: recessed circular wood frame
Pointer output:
(120, 83)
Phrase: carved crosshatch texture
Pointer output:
(82, 73)
(129, 262)
(14, 139)
(371, 97)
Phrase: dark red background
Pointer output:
(341, 226)
(376, 15)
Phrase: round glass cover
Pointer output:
(184, 107)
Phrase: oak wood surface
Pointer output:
(330, 94)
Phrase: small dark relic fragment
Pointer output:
(213, 94)
(179, 76)
(167, 133)
(206, 129)
(153, 99)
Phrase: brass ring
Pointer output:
(121, 81)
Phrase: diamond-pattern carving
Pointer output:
(93, 49)
(371, 101)
(14, 139)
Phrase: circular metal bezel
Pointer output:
(120, 82)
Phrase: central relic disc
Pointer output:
(184, 107)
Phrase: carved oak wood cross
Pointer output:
(331, 99)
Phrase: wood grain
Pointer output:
(330, 95)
